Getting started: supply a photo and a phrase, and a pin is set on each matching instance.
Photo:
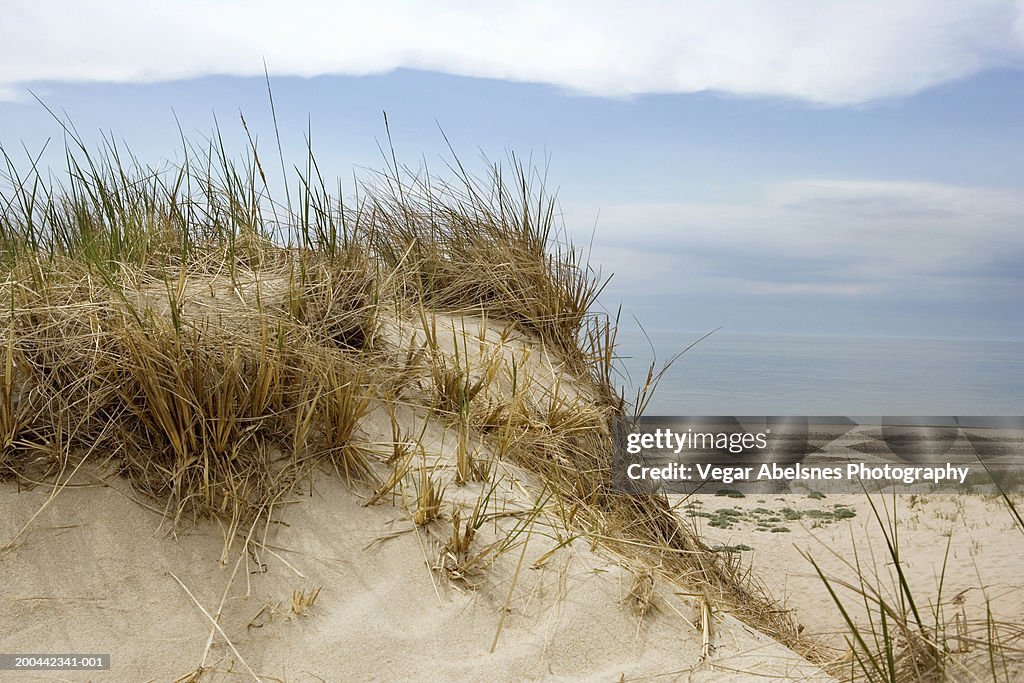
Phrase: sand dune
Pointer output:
(96, 572)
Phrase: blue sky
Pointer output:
(791, 168)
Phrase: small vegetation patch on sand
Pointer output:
(762, 518)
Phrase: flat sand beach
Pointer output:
(960, 551)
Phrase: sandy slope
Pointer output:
(95, 573)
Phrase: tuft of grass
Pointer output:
(429, 496)
(641, 593)
(906, 636)
(303, 600)
(456, 556)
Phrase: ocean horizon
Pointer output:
(765, 374)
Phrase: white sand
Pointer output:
(94, 574)
(982, 568)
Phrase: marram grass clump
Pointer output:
(217, 346)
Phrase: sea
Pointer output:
(779, 375)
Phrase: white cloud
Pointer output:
(838, 237)
(10, 94)
(826, 52)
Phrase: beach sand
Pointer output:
(98, 573)
(960, 551)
